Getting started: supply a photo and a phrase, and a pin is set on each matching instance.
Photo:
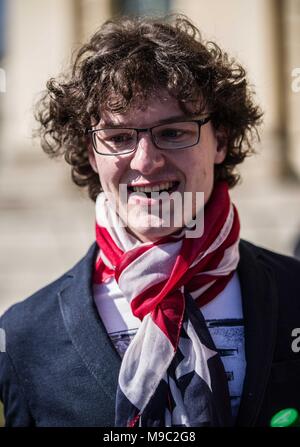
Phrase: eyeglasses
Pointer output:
(171, 136)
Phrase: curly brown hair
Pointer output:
(130, 58)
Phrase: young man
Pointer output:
(170, 319)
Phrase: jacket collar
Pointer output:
(93, 344)
(87, 331)
(260, 309)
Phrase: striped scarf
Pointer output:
(171, 373)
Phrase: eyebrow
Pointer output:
(170, 119)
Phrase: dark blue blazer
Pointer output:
(61, 369)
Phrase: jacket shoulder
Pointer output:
(31, 309)
(278, 262)
(25, 317)
(284, 272)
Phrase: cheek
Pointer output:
(208, 169)
(205, 172)
(201, 168)
(108, 172)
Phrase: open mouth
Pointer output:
(153, 191)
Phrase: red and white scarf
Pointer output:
(156, 279)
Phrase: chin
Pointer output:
(152, 234)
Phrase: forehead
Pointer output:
(154, 111)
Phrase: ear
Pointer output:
(92, 158)
(222, 139)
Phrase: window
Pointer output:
(140, 7)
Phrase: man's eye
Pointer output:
(119, 139)
(171, 133)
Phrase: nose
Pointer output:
(146, 158)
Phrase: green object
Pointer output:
(288, 417)
(1, 415)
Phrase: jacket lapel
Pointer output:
(260, 308)
(87, 331)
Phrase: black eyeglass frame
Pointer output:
(200, 123)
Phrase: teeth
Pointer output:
(159, 187)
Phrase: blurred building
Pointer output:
(46, 223)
